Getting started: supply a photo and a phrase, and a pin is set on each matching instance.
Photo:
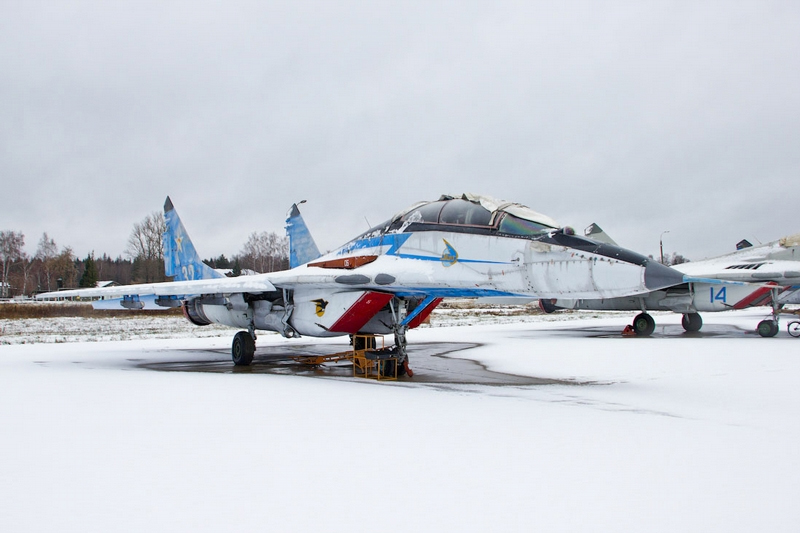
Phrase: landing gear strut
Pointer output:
(400, 342)
(402, 357)
(769, 327)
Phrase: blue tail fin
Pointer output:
(180, 257)
(302, 247)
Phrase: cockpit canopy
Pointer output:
(480, 212)
(467, 213)
(454, 211)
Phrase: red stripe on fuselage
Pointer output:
(361, 312)
(755, 298)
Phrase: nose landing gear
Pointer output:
(769, 327)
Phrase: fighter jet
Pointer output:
(389, 279)
(767, 274)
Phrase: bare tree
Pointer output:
(265, 252)
(11, 243)
(64, 268)
(46, 252)
(144, 247)
(674, 259)
(26, 263)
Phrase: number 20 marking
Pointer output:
(720, 296)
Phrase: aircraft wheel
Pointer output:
(388, 367)
(644, 325)
(692, 322)
(548, 306)
(243, 349)
(794, 328)
(767, 328)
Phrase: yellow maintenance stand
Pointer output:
(368, 360)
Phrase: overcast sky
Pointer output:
(644, 117)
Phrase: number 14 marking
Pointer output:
(720, 296)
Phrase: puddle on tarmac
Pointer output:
(429, 361)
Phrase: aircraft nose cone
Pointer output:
(658, 276)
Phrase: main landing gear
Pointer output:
(769, 327)
(243, 349)
(644, 325)
(692, 322)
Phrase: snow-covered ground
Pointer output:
(139, 326)
(78, 329)
(670, 433)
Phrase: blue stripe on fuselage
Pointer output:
(408, 292)
(395, 241)
(459, 260)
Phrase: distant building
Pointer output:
(6, 290)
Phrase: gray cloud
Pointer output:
(643, 117)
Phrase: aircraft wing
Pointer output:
(782, 272)
(258, 283)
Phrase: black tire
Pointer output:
(767, 328)
(243, 349)
(794, 328)
(644, 325)
(692, 322)
(388, 367)
(548, 306)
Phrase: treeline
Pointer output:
(52, 267)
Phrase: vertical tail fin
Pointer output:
(302, 247)
(596, 233)
(180, 257)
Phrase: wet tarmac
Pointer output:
(434, 364)
(429, 361)
(666, 331)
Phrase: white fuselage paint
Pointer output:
(777, 262)
(484, 264)
(425, 265)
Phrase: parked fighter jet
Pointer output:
(390, 278)
(768, 274)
